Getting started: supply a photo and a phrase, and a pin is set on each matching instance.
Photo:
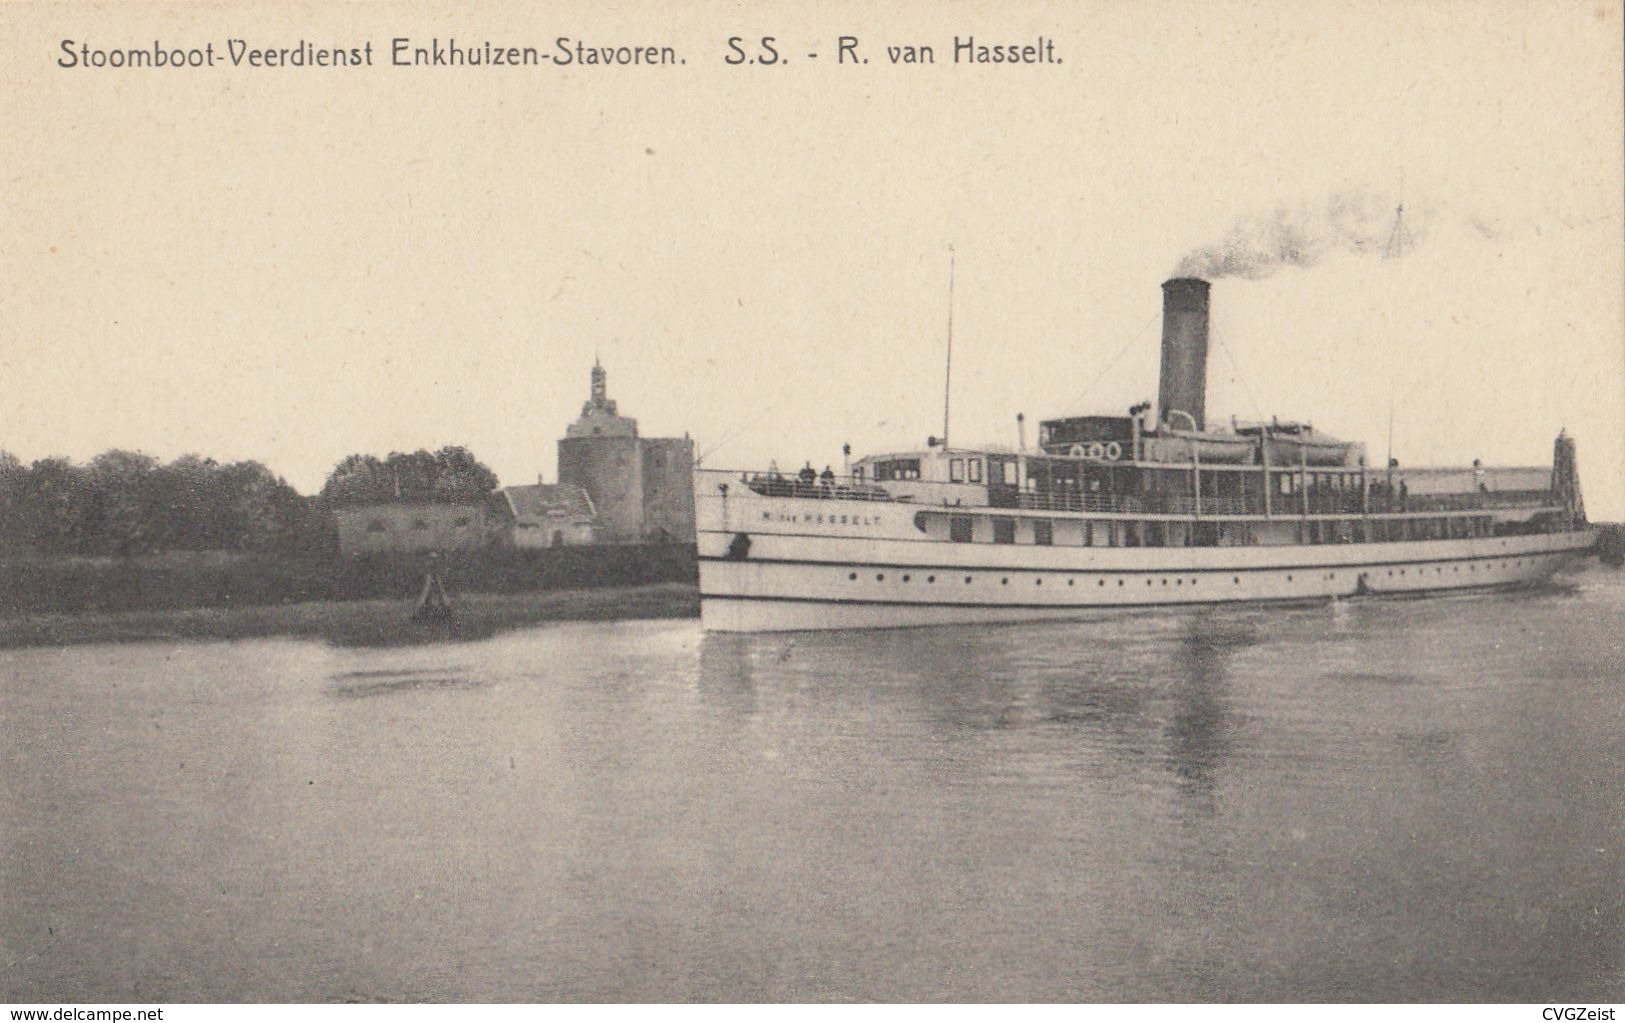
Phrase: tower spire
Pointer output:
(600, 385)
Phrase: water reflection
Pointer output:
(358, 685)
(1388, 800)
(1200, 725)
(1148, 691)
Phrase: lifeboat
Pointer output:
(1186, 446)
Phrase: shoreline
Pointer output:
(371, 622)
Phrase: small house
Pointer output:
(411, 528)
(549, 515)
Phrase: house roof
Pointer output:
(541, 500)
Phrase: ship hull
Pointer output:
(817, 564)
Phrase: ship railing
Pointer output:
(1214, 504)
(1489, 500)
(1339, 502)
(1067, 502)
(1147, 504)
(844, 488)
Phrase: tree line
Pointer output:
(124, 503)
(451, 475)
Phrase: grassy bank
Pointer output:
(355, 622)
(173, 580)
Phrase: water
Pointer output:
(1411, 800)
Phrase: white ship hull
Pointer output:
(809, 563)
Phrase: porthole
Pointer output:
(1005, 581)
(1148, 582)
(930, 578)
(1038, 582)
(1101, 582)
(1288, 578)
(1119, 582)
(880, 577)
(852, 575)
(1236, 579)
(905, 578)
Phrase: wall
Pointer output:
(668, 489)
(610, 470)
(532, 531)
(411, 528)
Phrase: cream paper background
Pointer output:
(295, 264)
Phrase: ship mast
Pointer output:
(1398, 237)
(1394, 250)
(948, 372)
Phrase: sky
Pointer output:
(291, 265)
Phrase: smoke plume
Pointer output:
(1359, 223)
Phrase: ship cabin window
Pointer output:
(900, 469)
(1004, 530)
(1156, 534)
(1043, 532)
(956, 470)
(961, 528)
(1286, 483)
(976, 470)
(1131, 534)
(1009, 474)
(1088, 533)
(857, 473)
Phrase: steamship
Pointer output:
(1128, 510)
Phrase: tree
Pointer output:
(190, 504)
(358, 479)
(412, 477)
(13, 479)
(451, 475)
(122, 517)
(53, 506)
(461, 478)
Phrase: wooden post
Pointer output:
(1264, 456)
(1196, 475)
(1365, 504)
(1303, 477)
